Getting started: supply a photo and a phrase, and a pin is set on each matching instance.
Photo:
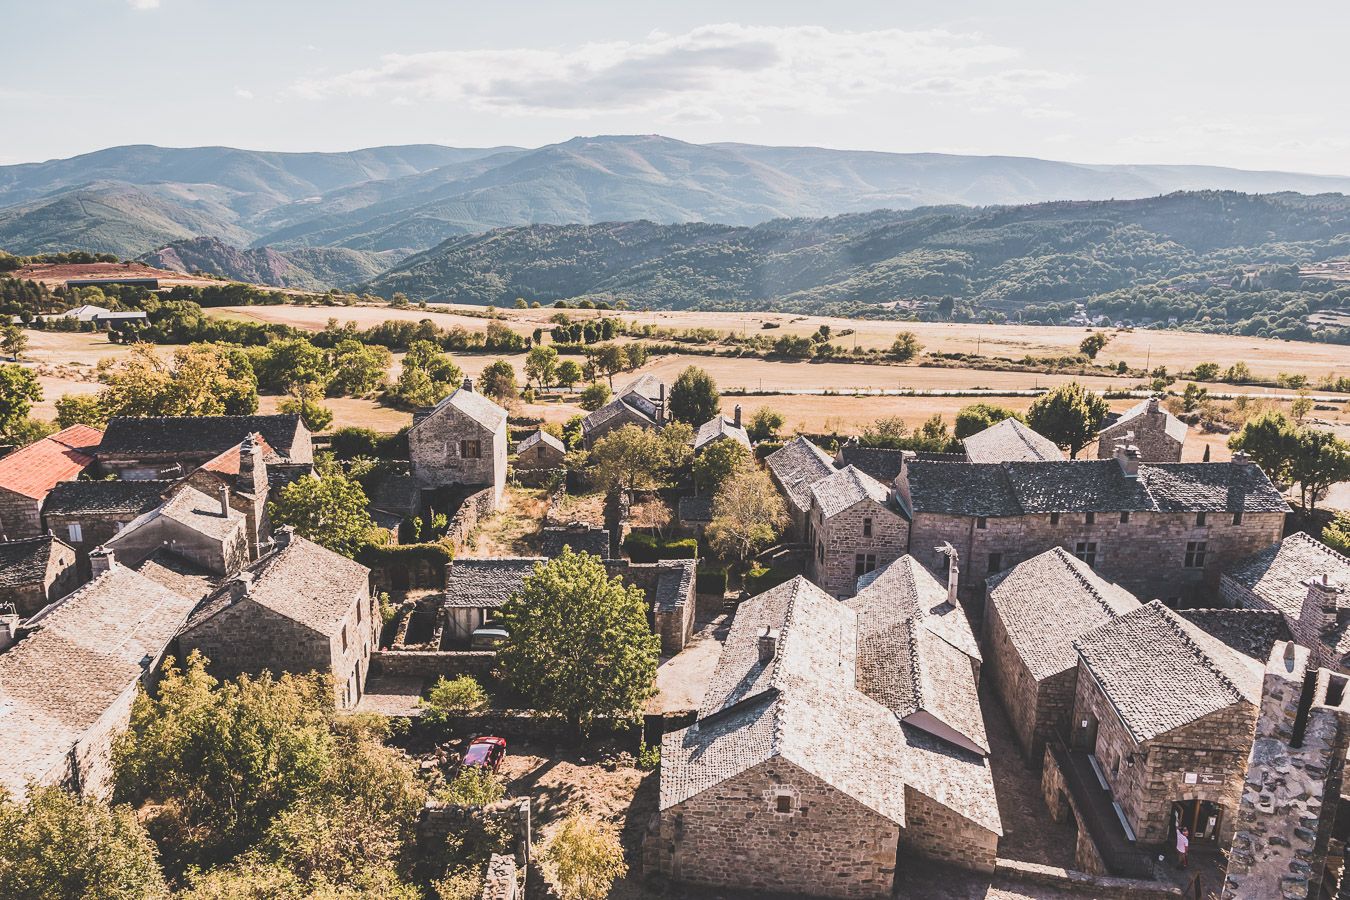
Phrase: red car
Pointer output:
(485, 753)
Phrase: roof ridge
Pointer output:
(1319, 546)
(1174, 621)
(1085, 581)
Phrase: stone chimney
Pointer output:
(225, 501)
(768, 644)
(282, 537)
(252, 477)
(1240, 458)
(1321, 606)
(1128, 457)
(101, 560)
(1290, 796)
(9, 625)
(240, 586)
(1153, 406)
(737, 419)
(467, 385)
(661, 404)
(953, 569)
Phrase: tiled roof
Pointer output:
(636, 401)
(227, 462)
(192, 509)
(882, 463)
(24, 562)
(182, 576)
(697, 510)
(614, 411)
(131, 435)
(34, 470)
(300, 580)
(1048, 601)
(1175, 428)
(487, 583)
(1010, 441)
(86, 655)
(1161, 672)
(836, 493)
(1251, 632)
(719, 427)
(803, 706)
(87, 498)
(797, 465)
(589, 539)
(1095, 485)
(1279, 574)
(674, 582)
(472, 404)
(540, 436)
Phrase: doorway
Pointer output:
(1200, 818)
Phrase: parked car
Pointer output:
(487, 637)
(485, 753)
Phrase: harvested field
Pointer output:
(57, 274)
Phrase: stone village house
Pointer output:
(720, 428)
(852, 529)
(86, 514)
(36, 571)
(794, 467)
(28, 475)
(461, 442)
(242, 472)
(540, 450)
(298, 608)
(1158, 435)
(139, 448)
(1010, 441)
(205, 531)
(641, 402)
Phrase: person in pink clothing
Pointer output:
(1183, 844)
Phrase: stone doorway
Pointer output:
(1202, 820)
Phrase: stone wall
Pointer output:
(63, 575)
(1149, 436)
(1059, 800)
(434, 450)
(92, 773)
(501, 881)
(476, 506)
(221, 556)
(732, 835)
(540, 456)
(1036, 710)
(431, 664)
(19, 515)
(936, 832)
(1237, 596)
(839, 539)
(95, 530)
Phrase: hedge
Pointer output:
(684, 548)
(759, 579)
(645, 548)
(372, 555)
(711, 581)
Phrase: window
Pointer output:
(471, 449)
(867, 527)
(1237, 517)
(1195, 554)
(358, 612)
(1091, 518)
(1087, 552)
(1199, 519)
(75, 532)
(344, 638)
(820, 552)
(981, 522)
(995, 563)
(1125, 518)
(864, 563)
(783, 803)
(1054, 518)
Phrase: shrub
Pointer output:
(584, 857)
(473, 786)
(759, 579)
(452, 697)
(711, 581)
(683, 548)
(640, 547)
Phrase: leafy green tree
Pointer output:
(55, 846)
(80, 409)
(473, 786)
(585, 858)
(571, 432)
(716, 463)
(286, 364)
(1271, 442)
(1068, 415)
(541, 365)
(1238, 373)
(977, 417)
(1091, 345)
(359, 368)
(19, 390)
(579, 644)
(330, 511)
(1320, 460)
(888, 431)
(1194, 397)
(608, 360)
(748, 513)
(694, 398)
(766, 424)
(595, 396)
(453, 697)
(1336, 534)
(906, 346)
(306, 400)
(569, 373)
(498, 381)
(13, 341)
(1205, 371)
(200, 380)
(630, 459)
(415, 388)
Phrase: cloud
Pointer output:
(143, 4)
(707, 73)
(243, 93)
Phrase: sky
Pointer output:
(1248, 84)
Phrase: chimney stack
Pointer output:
(768, 644)
(953, 569)
(1152, 405)
(1240, 458)
(241, 585)
(224, 501)
(738, 415)
(468, 385)
(661, 404)
(282, 536)
(101, 560)
(1321, 606)
(1128, 457)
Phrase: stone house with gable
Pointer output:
(87, 514)
(299, 608)
(852, 529)
(36, 571)
(641, 402)
(540, 450)
(242, 471)
(139, 448)
(68, 682)
(1010, 441)
(206, 531)
(1033, 614)
(1158, 435)
(720, 428)
(460, 442)
(30, 473)
(800, 774)
(794, 467)
(1164, 716)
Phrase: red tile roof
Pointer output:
(35, 470)
(227, 463)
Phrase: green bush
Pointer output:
(764, 448)
(759, 579)
(711, 581)
(640, 547)
(683, 548)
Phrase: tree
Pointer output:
(541, 364)
(977, 417)
(1301, 406)
(1271, 442)
(595, 396)
(1194, 397)
(1068, 415)
(694, 398)
(932, 436)
(1091, 345)
(630, 459)
(80, 409)
(55, 846)
(19, 390)
(766, 424)
(1206, 371)
(440, 368)
(359, 368)
(1336, 534)
(906, 346)
(286, 364)
(716, 463)
(888, 431)
(306, 401)
(13, 341)
(585, 857)
(200, 380)
(1238, 373)
(1320, 460)
(453, 697)
(329, 511)
(579, 643)
(608, 359)
(748, 514)
(498, 381)
(569, 373)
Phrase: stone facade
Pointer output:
(48, 576)
(540, 452)
(220, 553)
(1156, 433)
(462, 441)
(935, 832)
(838, 541)
(20, 515)
(825, 843)
(1038, 710)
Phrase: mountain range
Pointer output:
(397, 201)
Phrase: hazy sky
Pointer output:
(1250, 84)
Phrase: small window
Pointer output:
(995, 563)
(344, 638)
(864, 563)
(358, 612)
(1199, 519)
(1091, 518)
(867, 527)
(820, 552)
(1125, 518)
(783, 803)
(981, 522)
(471, 449)
(1054, 518)
(1087, 552)
(75, 532)
(1195, 554)
(1237, 517)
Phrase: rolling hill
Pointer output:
(315, 268)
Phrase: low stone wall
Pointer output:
(1082, 882)
(501, 882)
(528, 725)
(439, 819)
(476, 506)
(432, 663)
(536, 478)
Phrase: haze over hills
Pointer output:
(309, 268)
(131, 200)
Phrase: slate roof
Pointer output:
(719, 427)
(1047, 602)
(227, 461)
(472, 404)
(1279, 574)
(24, 562)
(57, 681)
(92, 498)
(1175, 428)
(906, 589)
(797, 465)
(540, 436)
(192, 509)
(132, 435)
(593, 540)
(1010, 441)
(803, 707)
(179, 575)
(674, 582)
(34, 470)
(486, 583)
(1161, 672)
(636, 400)
(837, 492)
(882, 463)
(1092, 485)
(697, 509)
(299, 579)
(1251, 632)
